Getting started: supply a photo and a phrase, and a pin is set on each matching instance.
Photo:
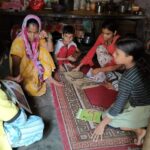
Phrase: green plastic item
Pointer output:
(89, 115)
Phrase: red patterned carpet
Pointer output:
(76, 133)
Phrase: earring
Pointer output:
(115, 32)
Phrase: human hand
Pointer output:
(98, 132)
(43, 34)
(70, 65)
(18, 78)
(70, 58)
(108, 85)
(122, 67)
(76, 69)
(95, 71)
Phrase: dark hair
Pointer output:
(68, 29)
(32, 21)
(131, 46)
(110, 25)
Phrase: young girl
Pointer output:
(131, 110)
(106, 43)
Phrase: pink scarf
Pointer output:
(32, 49)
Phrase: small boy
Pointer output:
(65, 48)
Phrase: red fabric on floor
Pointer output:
(86, 68)
(101, 96)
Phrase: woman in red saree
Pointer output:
(107, 39)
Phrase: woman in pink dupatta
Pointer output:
(30, 57)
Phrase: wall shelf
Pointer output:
(75, 14)
(128, 23)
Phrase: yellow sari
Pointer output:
(7, 110)
(28, 72)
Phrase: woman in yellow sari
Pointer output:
(30, 57)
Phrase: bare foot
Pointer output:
(140, 135)
(17, 79)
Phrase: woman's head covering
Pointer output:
(32, 47)
(28, 17)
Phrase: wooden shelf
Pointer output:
(129, 23)
(75, 14)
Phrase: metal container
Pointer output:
(99, 8)
(122, 9)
